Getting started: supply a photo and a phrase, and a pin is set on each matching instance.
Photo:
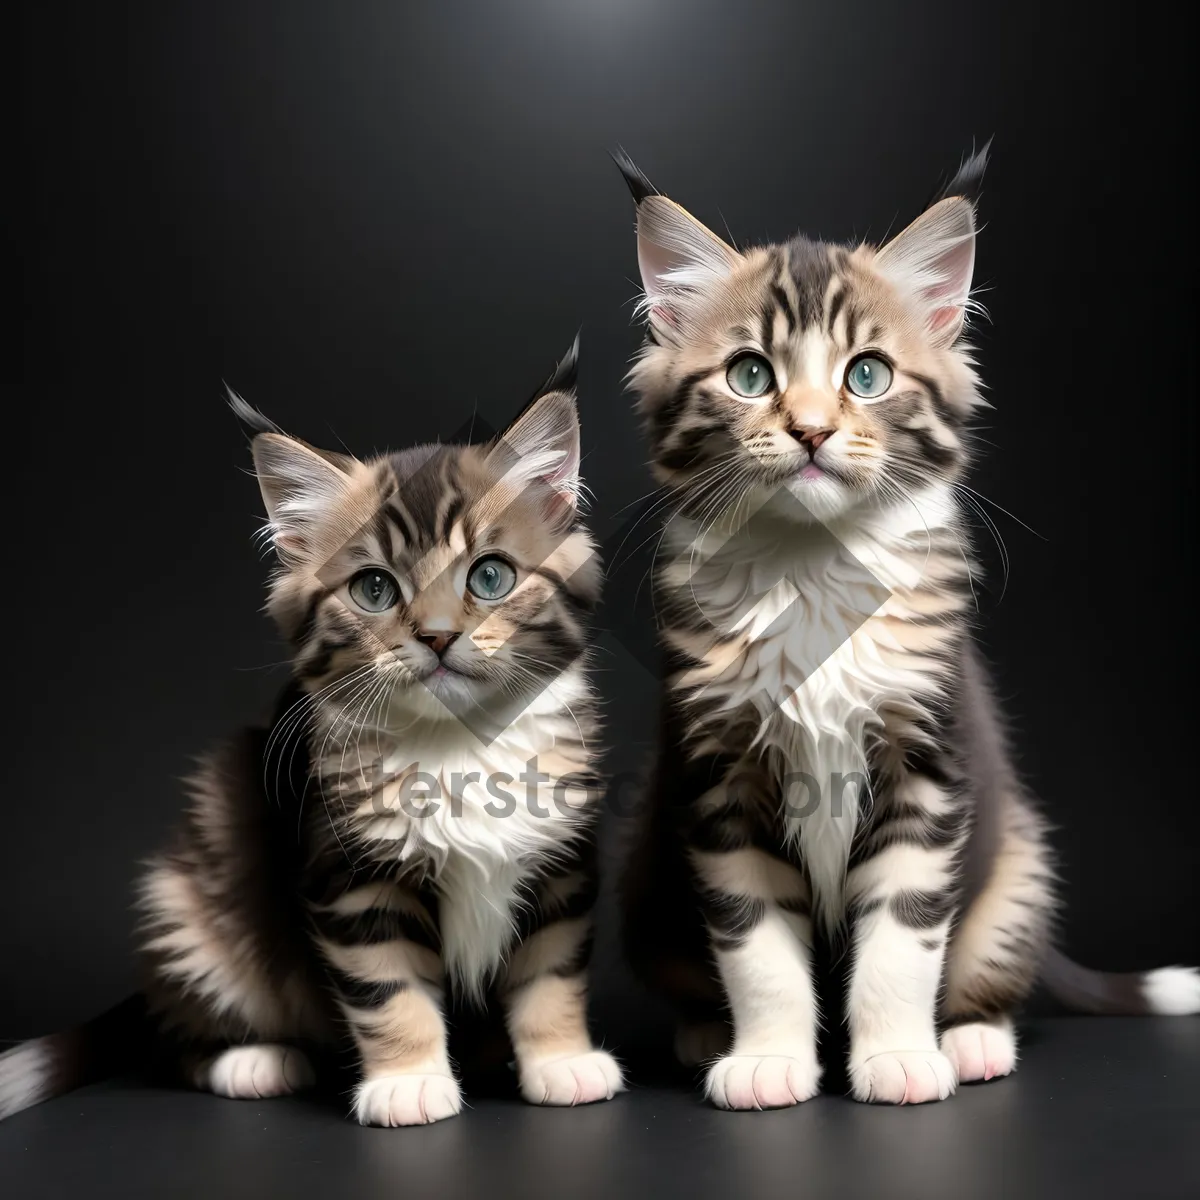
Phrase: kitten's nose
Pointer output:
(438, 640)
(811, 437)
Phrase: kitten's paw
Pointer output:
(255, 1072)
(392, 1100)
(980, 1051)
(903, 1077)
(748, 1081)
(577, 1079)
(700, 1042)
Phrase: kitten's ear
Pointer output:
(677, 255)
(934, 258)
(540, 449)
(299, 487)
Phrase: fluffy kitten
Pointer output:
(831, 754)
(423, 803)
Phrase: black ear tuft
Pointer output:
(252, 420)
(639, 186)
(968, 179)
(563, 378)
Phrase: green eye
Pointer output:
(374, 591)
(750, 376)
(868, 377)
(491, 578)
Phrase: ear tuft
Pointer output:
(933, 259)
(540, 450)
(967, 181)
(678, 256)
(562, 379)
(639, 186)
(253, 421)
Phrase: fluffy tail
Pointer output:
(1168, 991)
(58, 1063)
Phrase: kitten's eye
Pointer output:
(750, 376)
(374, 591)
(868, 377)
(491, 578)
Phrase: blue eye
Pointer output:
(868, 377)
(491, 578)
(750, 376)
(374, 591)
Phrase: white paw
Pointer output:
(748, 1081)
(578, 1079)
(391, 1100)
(903, 1077)
(700, 1042)
(980, 1051)
(256, 1072)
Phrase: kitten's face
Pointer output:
(437, 581)
(826, 374)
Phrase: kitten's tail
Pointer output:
(1167, 991)
(50, 1066)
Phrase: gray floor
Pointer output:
(1099, 1108)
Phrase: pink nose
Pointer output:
(438, 640)
(811, 437)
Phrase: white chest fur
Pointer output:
(813, 610)
(478, 819)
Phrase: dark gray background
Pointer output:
(374, 220)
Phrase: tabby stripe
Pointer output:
(372, 926)
(672, 408)
(835, 307)
(767, 334)
(365, 993)
(403, 522)
(383, 534)
(731, 918)
(535, 917)
(921, 910)
(578, 603)
(322, 659)
(938, 397)
(856, 910)
(451, 514)
(939, 455)
(688, 444)
(308, 622)
(785, 305)
(851, 327)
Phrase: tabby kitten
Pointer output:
(832, 760)
(420, 814)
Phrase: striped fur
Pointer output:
(418, 818)
(831, 763)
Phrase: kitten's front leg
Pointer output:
(544, 992)
(758, 909)
(380, 945)
(901, 891)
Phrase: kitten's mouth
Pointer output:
(445, 675)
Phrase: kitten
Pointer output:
(420, 813)
(831, 757)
